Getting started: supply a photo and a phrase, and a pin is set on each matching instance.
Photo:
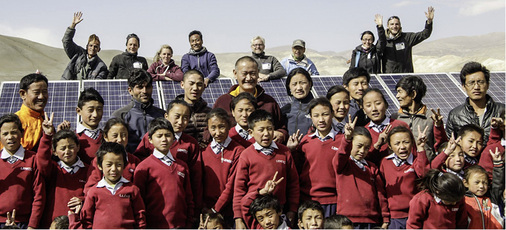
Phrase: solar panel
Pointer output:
(62, 100)
(441, 90)
(115, 94)
(322, 84)
(496, 88)
(277, 90)
(170, 89)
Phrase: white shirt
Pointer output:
(92, 133)
(20, 154)
(239, 129)
(384, 123)
(331, 135)
(398, 161)
(73, 168)
(167, 159)
(225, 144)
(112, 189)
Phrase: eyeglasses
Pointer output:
(479, 83)
(257, 44)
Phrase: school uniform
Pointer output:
(256, 166)
(360, 189)
(241, 136)
(22, 187)
(62, 182)
(428, 212)
(220, 162)
(107, 206)
(494, 141)
(164, 182)
(376, 155)
(89, 142)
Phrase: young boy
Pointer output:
(22, 186)
(114, 202)
(311, 215)
(471, 142)
(242, 106)
(339, 98)
(90, 107)
(164, 181)
(267, 212)
(338, 222)
(356, 81)
(257, 164)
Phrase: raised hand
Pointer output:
(203, 224)
(452, 144)
(378, 19)
(437, 117)
(497, 155)
(294, 140)
(63, 125)
(76, 20)
(382, 138)
(47, 124)
(74, 201)
(422, 139)
(430, 14)
(11, 219)
(349, 127)
(497, 123)
(270, 185)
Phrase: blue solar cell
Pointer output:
(277, 90)
(393, 106)
(496, 88)
(171, 89)
(322, 84)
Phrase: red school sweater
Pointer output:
(166, 191)
(88, 147)
(400, 182)
(22, 188)
(374, 155)
(236, 137)
(360, 194)
(426, 213)
(61, 186)
(95, 175)
(494, 141)
(317, 178)
(218, 177)
(103, 210)
(254, 169)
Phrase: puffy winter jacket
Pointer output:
(203, 61)
(123, 63)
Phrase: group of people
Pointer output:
(330, 162)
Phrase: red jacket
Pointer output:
(494, 142)
(236, 137)
(426, 213)
(174, 72)
(88, 147)
(95, 175)
(375, 156)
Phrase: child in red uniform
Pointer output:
(313, 156)
(22, 186)
(495, 140)
(450, 159)
(401, 169)
(257, 164)
(114, 202)
(115, 130)
(164, 181)
(471, 142)
(339, 97)
(375, 107)
(66, 177)
(360, 189)
(481, 204)
(311, 215)
(220, 161)
(439, 204)
(242, 106)
(268, 212)
(90, 107)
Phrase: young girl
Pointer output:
(339, 97)
(219, 162)
(400, 170)
(66, 177)
(451, 158)
(115, 130)
(242, 106)
(375, 107)
(439, 204)
(360, 189)
(481, 204)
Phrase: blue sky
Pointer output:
(228, 25)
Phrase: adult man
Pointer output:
(141, 111)
(193, 85)
(479, 107)
(298, 59)
(270, 68)
(246, 72)
(200, 59)
(356, 81)
(397, 56)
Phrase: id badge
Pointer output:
(266, 66)
(400, 46)
(137, 65)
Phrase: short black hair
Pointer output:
(259, 115)
(369, 90)
(27, 80)
(61, 222)
(178, 102)
(336, 222)
(246, 59)
(336, 89)
(112, 122)
(139, 77)
(89, 94)
(470, 128)
(11, 117)
(241, 96)
(132, 35)
(413, 83)
(473, 67)
(361, 131)
(195, 32)
(309, 204)
(323, 101)
(446, 186)
(367, 32)
(64, 134)
(355, 72)
(157, 124)
(215, 216)
(111, 147)
(192, 71)
(264, 202)
(400, 129)
(295, 72)
(219, 113)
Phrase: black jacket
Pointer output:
(123, 63)
(370, 59)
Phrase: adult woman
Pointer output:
(123, 63)
(163, 67)
(368, 55)
(298, 85)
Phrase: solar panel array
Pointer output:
(495, 88)
(277, 90)
(171, 89)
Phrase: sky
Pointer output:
(229, 25)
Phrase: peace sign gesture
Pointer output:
(437, 117)
(496, 156)
(452, 144)
(47, 124)
(422, 139)
(382, 138)
(349, 127)
(203, 224)
(270, 185)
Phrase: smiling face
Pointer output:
(263, 132)
(193, 86)
(93, 48)
(178, 116)
(117, 133)
(218, 128)
(258, 46)
(455, 160)
(360, 148)
(477, 183)
(112, 167)
(165, 56)
(374, 107)
(394, 25)
(405, 100)
(246, 73)
(311, 219)
(401, 144)
(340, 105)
(298, 52)
(162, 140)
(268, 218)
(242, 111)
(299, 86)
(132, 45)
(471, 143)
(367, 41)
(321, 117)
(91, 114)
(66, 150)
(35, 97)
(10, 136)
(141, 93)
(196, 42)
(356, 87)
(476, 86)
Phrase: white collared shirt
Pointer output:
(167, 159)
(20, 154)
(238, 128)
(73, 168)
(338, 126)
(224, 145)
(92, 133)
(112, 189)
(267, 151)
(331, 135)
(360, 163)
(178, 135)
(384, 123)
(398, 161)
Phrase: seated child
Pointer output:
(257, 164)
(164, 181)
(114, 202)
(212, 220)
(439, 204)
(337, 222)
(22, 186)
(90, 107)
(481, 204)
(268, 213)
(242, 106)
(360, 189)
(65, 178)
(310, 215)
(60, 222)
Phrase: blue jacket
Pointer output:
(203, 61)
(289, 64)
(297, 116)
